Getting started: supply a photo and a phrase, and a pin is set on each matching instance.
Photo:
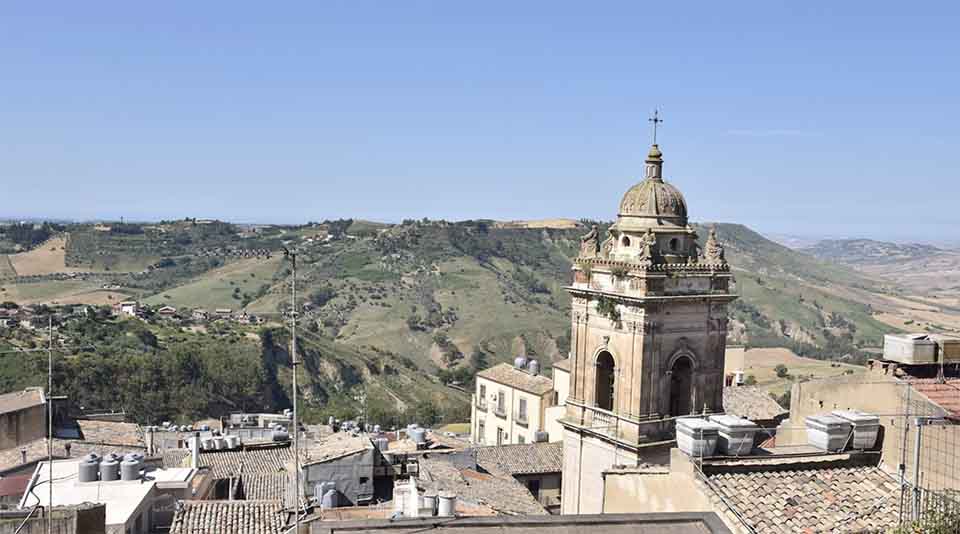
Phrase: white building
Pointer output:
(132, 506)
(515, 403)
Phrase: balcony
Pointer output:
(499, 411)
(627, 429)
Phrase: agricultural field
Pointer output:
(224, 287)
(47, 258)
(762, 364)
(60, 292)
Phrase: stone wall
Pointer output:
(85, 519)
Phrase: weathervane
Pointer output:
(655, 119)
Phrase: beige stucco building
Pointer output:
(514, 403)
(649, 328)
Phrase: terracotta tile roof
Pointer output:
(336, 445)
(563, 365)
(509, 375)
(228, 517)
(522, 459)
(264, 486)
(111, 433)
(751, 402)
(503, 494)
(226, 464)
(946, 395)
(830, 499)
(21, 400)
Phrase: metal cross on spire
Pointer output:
(655, 120)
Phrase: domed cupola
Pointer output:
(652, 202)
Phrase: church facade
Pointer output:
(648, 334)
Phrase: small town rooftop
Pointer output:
(122, 497)
(510, 376)
(21, 400)
(522, 459)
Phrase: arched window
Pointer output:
(625, 241)
(673, 244)
(681, 386)
(606, 370)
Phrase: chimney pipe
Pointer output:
(195, 451)
(23, 456)
(66, 447)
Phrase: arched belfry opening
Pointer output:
(681, 386)
(606, 370)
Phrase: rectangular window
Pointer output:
(501, 402)
(521, 439)
(483, 394)
(499, 436)
(481, 432)
(522, 414)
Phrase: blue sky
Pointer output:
(810, 118)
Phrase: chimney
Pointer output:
(66, 447)
(23, 456)
(195, 451)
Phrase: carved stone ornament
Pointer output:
(605, 340)
(713, 250)
(590, 243)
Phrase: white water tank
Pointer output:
(697, 437)
(534, 367)
(219, 443)
(735, 434)
(520, 362)
(233, 442)
(446, 504)
(430, 500)
(206, 444)
(828, 432)
(866, 427)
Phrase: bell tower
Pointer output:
(648, 335)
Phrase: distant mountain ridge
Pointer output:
(859, 252)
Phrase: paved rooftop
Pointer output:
(121, 497)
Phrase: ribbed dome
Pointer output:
(653, 198)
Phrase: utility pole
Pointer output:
(292, 256)
(50, 425)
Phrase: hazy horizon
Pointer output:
(834, 119)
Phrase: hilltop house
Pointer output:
(512, 404)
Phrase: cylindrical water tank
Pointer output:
(520, 362)
(280, 435)
(430, 502)
(206, 444)
(418, 435)
(129, 469)
(89, 468)
(541, 437)
(109, 468)
(331, 420)
(534, 367)
(233, 442)
(205, 428)
(376, 429)
(446, 504)
(219, 443)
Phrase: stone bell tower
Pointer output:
(649, 328)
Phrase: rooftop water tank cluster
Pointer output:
(530, 365)
(110, 467)
(218, 443)
(842, 430)
(726, 435)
